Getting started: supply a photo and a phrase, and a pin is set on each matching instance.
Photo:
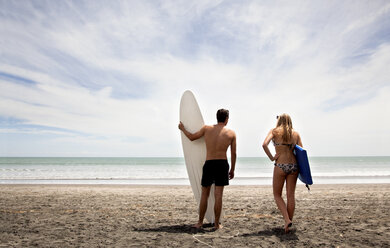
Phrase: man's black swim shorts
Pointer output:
(215, 171)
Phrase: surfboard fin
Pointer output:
(308, 188)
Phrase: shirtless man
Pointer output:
(216, 168)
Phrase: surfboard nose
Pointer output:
(187, 93)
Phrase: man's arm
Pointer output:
(233, 148)
(192, 136)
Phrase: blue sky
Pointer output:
(98, 78)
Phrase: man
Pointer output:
(216, 168)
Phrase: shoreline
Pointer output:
(66, 215)
(251, 181)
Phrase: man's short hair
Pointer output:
(222, 115)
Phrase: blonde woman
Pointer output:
(284, 138)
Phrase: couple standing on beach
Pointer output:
(216, 168)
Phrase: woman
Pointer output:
(286, 168)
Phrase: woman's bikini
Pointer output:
(290, 167)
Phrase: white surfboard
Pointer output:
(195, 151)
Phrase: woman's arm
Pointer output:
(299, 141)
(265, 146)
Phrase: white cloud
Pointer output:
(113, 76)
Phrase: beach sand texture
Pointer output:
(161, 216)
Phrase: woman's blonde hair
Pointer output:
(285, 122)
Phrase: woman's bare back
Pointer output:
(285, 149)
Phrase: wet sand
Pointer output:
(161, 216)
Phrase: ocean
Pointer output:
(172, 171)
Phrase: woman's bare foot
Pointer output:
(286, 226)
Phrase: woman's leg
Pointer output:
(277, 184)
(291, 182)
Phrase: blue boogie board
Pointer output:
(303, 164)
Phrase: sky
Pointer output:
(105, 78)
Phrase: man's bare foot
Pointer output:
(219, 226)
(198, 225)
(286, 226)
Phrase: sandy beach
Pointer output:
(161, 216)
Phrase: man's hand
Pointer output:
(181, 126)
(231, 174)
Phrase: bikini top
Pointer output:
(291, 146)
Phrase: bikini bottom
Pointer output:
(288, 168)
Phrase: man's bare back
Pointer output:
(218, 138)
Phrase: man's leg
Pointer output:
(218, 192)
(203, 205)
